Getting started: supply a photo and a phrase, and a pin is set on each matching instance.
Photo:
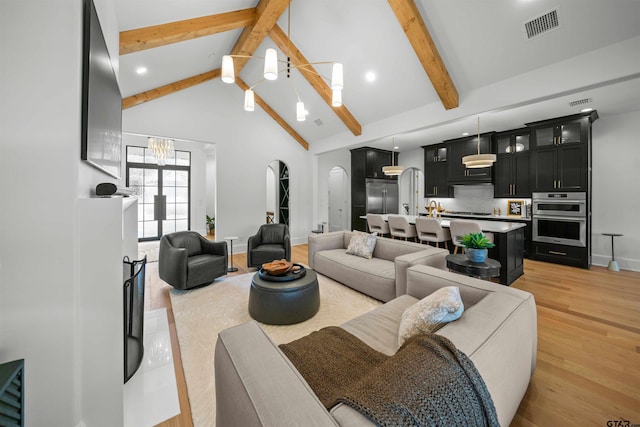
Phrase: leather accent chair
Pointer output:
(377, 224)
(460, 227)
(430, 230)
(271, 242)
(400, 227)
(188, 260)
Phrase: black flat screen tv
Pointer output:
(101, 100)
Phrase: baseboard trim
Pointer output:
(623, 263)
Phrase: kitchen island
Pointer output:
(509, 241)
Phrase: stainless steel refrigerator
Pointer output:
(382, 196)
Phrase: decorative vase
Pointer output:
(476, 255)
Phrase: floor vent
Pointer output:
(580, 102)
(318, 122)
(542, 24)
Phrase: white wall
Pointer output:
(616, 191)
(245, 144)
(323, 164)
(211, 184)
(41, 178)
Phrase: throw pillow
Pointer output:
(362, 244)
(431, 313)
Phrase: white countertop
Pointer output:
(500, 217)
(490, 226)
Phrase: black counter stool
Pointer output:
(613, 264)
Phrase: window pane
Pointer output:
(182, 195)
(135, 154)
(182, 224)
(182, 178)
(151, 177)
(148, 211)
(149, 194)
(183, 158)
(140, 212)
(170, 193)
(150, 228)
(135, 177)
(168, 226)
(171, 211)
(168, 178)
(182, 210)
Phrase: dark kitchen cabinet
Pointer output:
(560, 156)
(366, 163)
(511, 170)
(435, 171)
(457, 172)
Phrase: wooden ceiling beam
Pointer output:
(313, 77)
(275, 116)
(416, 31)
(158, 92)
(267, 14)
(173, 32)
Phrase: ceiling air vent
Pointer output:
(542, 24)
(580, 102)
(318, 122)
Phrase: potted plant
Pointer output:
(211, 223)
(476, 245)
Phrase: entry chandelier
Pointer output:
(271, 73)
(477, 161)
(161, 148)
(393, 170)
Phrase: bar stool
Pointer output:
(613, 264)
(400, 227)
(430, 230)
(460, 227)
(377, 224)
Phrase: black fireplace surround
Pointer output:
(133, 304)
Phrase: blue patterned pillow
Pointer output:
(362, 244)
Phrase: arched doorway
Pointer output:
(411, 191)
(338, 182)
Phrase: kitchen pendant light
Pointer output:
(301, 116)
(249, 100)
(393, 170)
(336, 98)
(477, 161)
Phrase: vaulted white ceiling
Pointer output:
(482, 43)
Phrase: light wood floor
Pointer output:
(588, 368)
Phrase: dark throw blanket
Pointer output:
(428, 382)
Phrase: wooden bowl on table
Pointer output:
(277, 267)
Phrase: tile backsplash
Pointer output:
(473, 198)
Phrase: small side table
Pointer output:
(231, 239)
(613, 264)
(483, 270)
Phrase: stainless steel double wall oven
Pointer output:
(560, 217)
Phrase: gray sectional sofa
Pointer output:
(382, 277)
(258, 386)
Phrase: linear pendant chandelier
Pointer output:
(393, 170)
(271, 73)
(477, 161)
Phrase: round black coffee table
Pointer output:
(483, 270)
(284, 302)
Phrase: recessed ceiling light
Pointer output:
(370, 76)
(586, 110)
(141, 70)
(395, 148)
(465, 134)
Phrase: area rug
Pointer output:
(150, 249)
(201, 314)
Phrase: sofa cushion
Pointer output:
(431, 313)
(362, 244)
(374, 277)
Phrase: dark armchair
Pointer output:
(187, 259)
(270, 243)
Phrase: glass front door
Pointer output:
(163, 191)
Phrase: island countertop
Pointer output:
(490, 226)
